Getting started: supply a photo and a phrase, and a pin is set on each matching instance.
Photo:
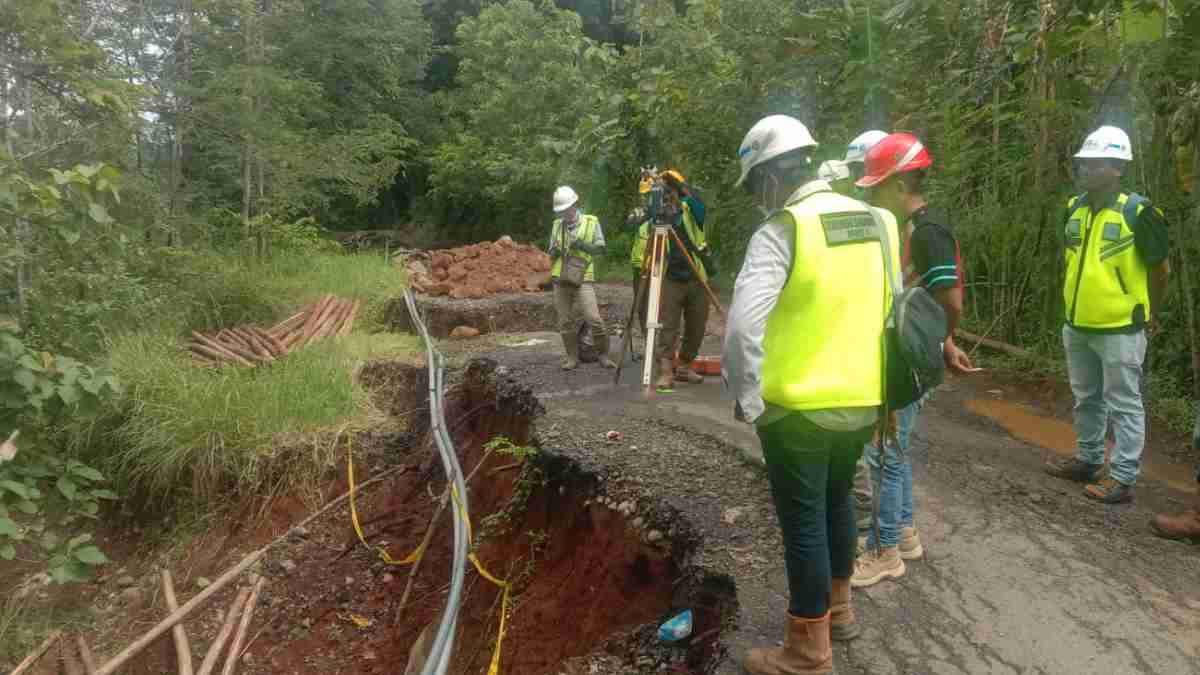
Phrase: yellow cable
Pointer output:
(383, 554)
(494, 668)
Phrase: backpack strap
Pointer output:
(1132, 203)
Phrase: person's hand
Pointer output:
(957, 360)
(1154, 328)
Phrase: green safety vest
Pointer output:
(823, 346)
(1107, 284)
(698, 235)
(586, 233)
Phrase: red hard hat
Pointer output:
(895, 154)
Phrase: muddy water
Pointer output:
(1026, 424)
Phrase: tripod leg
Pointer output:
(627, 336)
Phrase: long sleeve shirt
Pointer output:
(765, 272)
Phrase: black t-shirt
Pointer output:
(931, 255)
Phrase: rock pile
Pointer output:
(479, 270)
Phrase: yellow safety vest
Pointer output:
(698, 235)
(586, 233)
(824, 338)
(1107, 284)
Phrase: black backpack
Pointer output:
(914, 336)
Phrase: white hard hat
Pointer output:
(771, 137)
(833, 169)
(857, 150)
(1106, 143)
(564, 198)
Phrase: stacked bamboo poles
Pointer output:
(251, 346)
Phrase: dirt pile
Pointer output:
(479, 270)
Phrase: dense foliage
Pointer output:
(175, 162)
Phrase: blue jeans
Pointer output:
(1106, 378)
(895, 484)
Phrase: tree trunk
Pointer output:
(248, 106)
(183, 76)
(1187, 265)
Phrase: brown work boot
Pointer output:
(842, 625)
(665, 380)
(1109, 491)
(806, 651)
(1183, 526)
(687, 374)
(571, 346)
(873, 567)
(1073, 469)
(910, 544)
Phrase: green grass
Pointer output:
(25, 623)
(180, 428)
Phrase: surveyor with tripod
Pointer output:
(803, 361)
(684, 300)
(574, 238)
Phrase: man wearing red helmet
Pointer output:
(895, 170)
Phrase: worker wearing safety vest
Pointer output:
(803, 361)
(683, 299)
(896, 168)
(1116, 246)
(583, 238)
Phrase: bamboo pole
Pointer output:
(221, 355)
(221, 347)
(231, 616)
(340, 319)
(315, 315)
(290, 322)
(310, 330)
(255, 343)
(348, 324)
(272, 343)
(330, 320)
(36, 654)
(179, 615)
(85, 655)
(183, 649)
(235, 651)
(993, 344)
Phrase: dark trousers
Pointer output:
(811, 472)
(682, 302)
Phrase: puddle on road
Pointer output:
(1023, 423)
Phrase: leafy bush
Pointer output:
(40, 492)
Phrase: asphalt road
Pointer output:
(1022, 575)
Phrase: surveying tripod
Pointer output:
(649, 287)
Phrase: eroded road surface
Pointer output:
(1022, 573)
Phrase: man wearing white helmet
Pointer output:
(803, 361)
(577, 235)
(1116, 247)
(837, 174)
(856, 151)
